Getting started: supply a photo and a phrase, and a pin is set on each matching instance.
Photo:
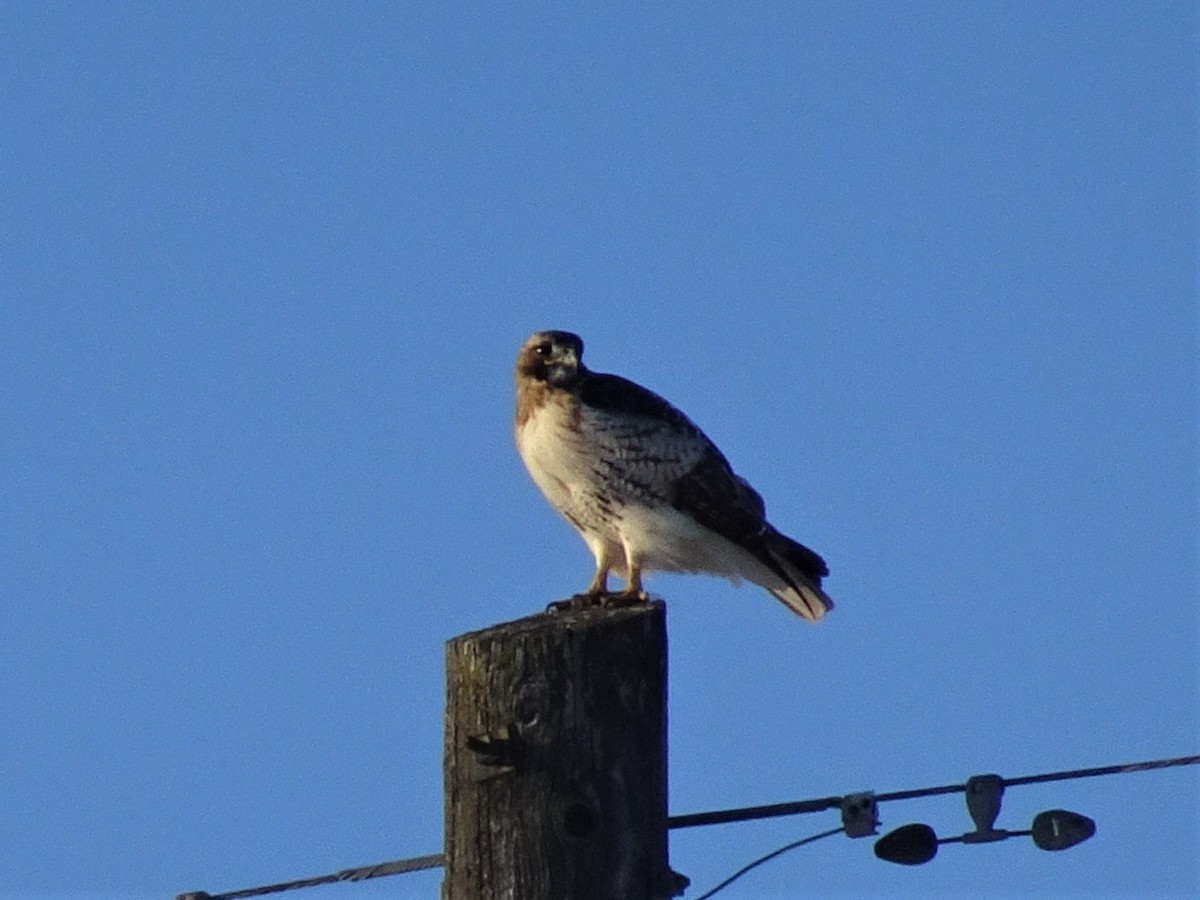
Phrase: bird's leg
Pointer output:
(633, 592)
(593, 594)
(599, 584)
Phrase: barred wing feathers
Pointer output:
(659, 455)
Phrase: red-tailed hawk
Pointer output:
(645, 487)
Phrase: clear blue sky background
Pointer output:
(925, 271)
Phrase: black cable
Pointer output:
(762, 859)
(361, 873)
(715, 817)
(818, 805)
(745, 813)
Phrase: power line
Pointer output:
(361, 873)
(715, 817)
(762, 859)
(747, 813)
(852, 810)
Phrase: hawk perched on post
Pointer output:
(645, 487)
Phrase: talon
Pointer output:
(576, 602)
(624, 599)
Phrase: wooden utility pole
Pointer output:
(555, 759)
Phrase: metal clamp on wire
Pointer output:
(860, 814)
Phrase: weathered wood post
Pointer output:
(555, 758)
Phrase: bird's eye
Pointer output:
(542, 349)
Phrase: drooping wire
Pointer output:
(716, 817)
(746, 813)
(770, 856)
(361, 873)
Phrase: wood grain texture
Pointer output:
(555, 759)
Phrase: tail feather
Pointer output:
(801, 571)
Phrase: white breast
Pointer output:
(551, 455)
(576, 466)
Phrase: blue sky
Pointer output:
(926, 272)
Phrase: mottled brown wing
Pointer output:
(645, 450)
(652, 451)
(642, 444)
(724, 502)
(617, 395)
(721, 501)
(693, 475)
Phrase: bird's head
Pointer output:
(554, 357)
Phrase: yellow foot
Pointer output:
(605, 600)
(576, 602)
(623, 599)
